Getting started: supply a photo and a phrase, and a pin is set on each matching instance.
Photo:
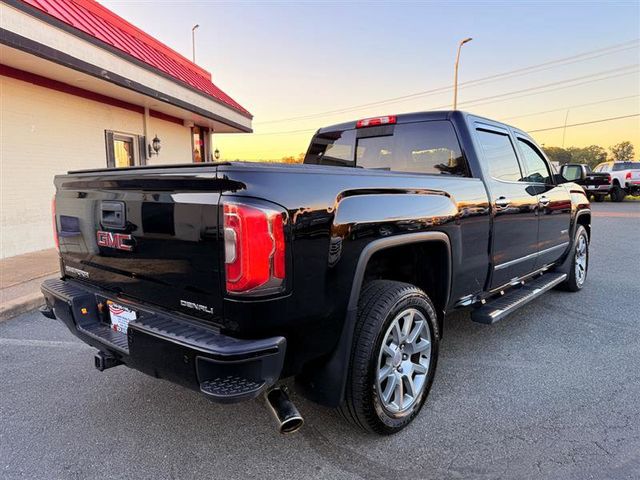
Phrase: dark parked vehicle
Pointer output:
(596, 184)
(226, 278)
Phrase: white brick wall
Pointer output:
(43, 133)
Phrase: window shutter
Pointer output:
(111, 157)
(142, 143)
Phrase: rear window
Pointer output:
(626, 166)
(332, 148)
(422, 147)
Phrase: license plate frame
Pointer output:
(120, 317)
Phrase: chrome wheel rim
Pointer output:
(581, 260)
(403, 361)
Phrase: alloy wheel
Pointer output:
(403, 361)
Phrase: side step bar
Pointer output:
(499, 308)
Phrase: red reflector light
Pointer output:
(627, 176)
(254, 246)
(372, 122)
(54, 223)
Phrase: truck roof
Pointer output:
(415, 117)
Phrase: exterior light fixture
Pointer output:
(216, 154)
(154, 147)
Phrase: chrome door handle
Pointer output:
(502, 202)
(543, 201)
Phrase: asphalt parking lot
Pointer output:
(551, 392)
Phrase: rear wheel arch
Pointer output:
(325, 383)
(395, 258)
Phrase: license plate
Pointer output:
(120, 317)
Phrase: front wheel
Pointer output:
(393, 359)
(577, 274)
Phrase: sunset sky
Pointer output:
(299, 66)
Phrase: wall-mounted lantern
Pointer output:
(154, 147)
(216, 154)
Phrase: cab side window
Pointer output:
(535, 164)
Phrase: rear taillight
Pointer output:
(54, 223)
(372, 122)
(254, 249)
(627, 176)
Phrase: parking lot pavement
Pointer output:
(551, 392)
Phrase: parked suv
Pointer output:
(625, 178)
(226, 278)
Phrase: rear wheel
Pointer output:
(598, 198)
(394, 357)
(617, 194)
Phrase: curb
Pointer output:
(20, 305)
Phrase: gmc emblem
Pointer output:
(114, 240)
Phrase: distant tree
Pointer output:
(591, 155)
(558, 154)
(622, 152)
(291, 159)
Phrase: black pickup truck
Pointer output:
(597, 185)
(339, 273)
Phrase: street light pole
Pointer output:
(193, 41)
(455, 78)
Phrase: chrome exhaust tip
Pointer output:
(284, 411)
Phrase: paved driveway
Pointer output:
(551, 392)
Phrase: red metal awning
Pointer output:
(97, 21)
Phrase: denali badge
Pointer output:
(76, 271)
(196, 306)
(114, 240)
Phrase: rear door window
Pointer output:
(500, 156)
(422, 147)
(626, 166)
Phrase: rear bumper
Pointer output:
(598, 188)
(185, 352)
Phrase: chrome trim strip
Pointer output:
(530, 256)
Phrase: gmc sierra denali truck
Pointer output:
(227, 278)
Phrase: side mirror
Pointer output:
(572, 173)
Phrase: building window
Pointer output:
(124, 150)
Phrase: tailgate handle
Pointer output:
(112, 214)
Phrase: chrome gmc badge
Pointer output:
(115, 240)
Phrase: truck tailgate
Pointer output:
(150, 235)
(594, 178)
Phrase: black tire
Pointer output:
(598, 198)
(381, 301)
(617, 194)
(573, 283)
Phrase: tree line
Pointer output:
(591, 155)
